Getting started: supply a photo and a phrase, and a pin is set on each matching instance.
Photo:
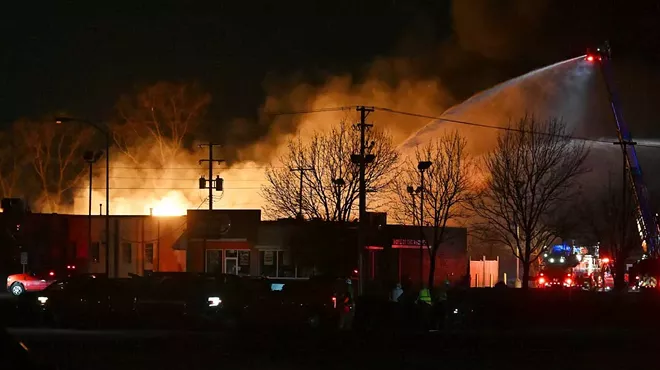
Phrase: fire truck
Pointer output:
(647, 269)
(571, 266)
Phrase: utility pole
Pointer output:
(218, 181)
(362, 159)
(300, 189)
(624, 149)
(422, 166)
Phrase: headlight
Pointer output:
(42, 300)
(214, 301)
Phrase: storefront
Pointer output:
(222, 241)
(409, 258)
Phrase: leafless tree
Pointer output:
(330, 182)
(609, 218)
(447, 189)
(55, 154)
(162, 115)
(12, 160)
(531, 173)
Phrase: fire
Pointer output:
(173, 204)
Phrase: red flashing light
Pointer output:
(590, 58)
(605, 260)
(569, 281)
(51, 273)
(355, 271)
(541, 280)
(73, 267)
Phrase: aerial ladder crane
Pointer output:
(647, 222)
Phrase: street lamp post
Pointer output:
(422, 166)
(91, 158)
(106, 132)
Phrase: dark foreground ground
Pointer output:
(62, 349)
(577, 333)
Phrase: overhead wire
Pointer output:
(503, 128)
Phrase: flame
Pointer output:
(173, 204)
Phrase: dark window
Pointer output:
(284, 265)
(268, 263)
(149, 253)
(95, 252)
(214, 261)
(127, 252)
(72, 251)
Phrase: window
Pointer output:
(149, 253)
(127, 252)
(274, 263)
(94, 252)
(214, 261)
(268, 264)
(72, 252)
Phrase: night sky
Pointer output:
(80, 58)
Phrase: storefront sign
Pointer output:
(408, 243)
(244, 258)
(268, 258)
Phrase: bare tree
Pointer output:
(163, 114)
(610, 219)
(55, 154)
(530, 174)
(12, 160)
(447, 189)
(330, 181)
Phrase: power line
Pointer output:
(312, 111)
(161, 188)
(192, 168)
(513, 129)
(174, 179)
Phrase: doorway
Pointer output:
(231, 261)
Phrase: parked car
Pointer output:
(190, 299)
(86, 300)
(18, 284)
(33, 281)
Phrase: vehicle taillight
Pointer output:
(52, 273)
(569, 281)
(334, 302)
(541, 280)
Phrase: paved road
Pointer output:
(154, 349)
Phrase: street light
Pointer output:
(422, 166)
(91, 158)
(106, 132)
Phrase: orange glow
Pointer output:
(170, 205)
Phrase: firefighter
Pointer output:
(424, 305)
(396, 293)
(347, 307)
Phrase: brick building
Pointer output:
(237, 242)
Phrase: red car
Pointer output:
(18, 284)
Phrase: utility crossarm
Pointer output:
(646, 219)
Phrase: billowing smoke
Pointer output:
(487, 39)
